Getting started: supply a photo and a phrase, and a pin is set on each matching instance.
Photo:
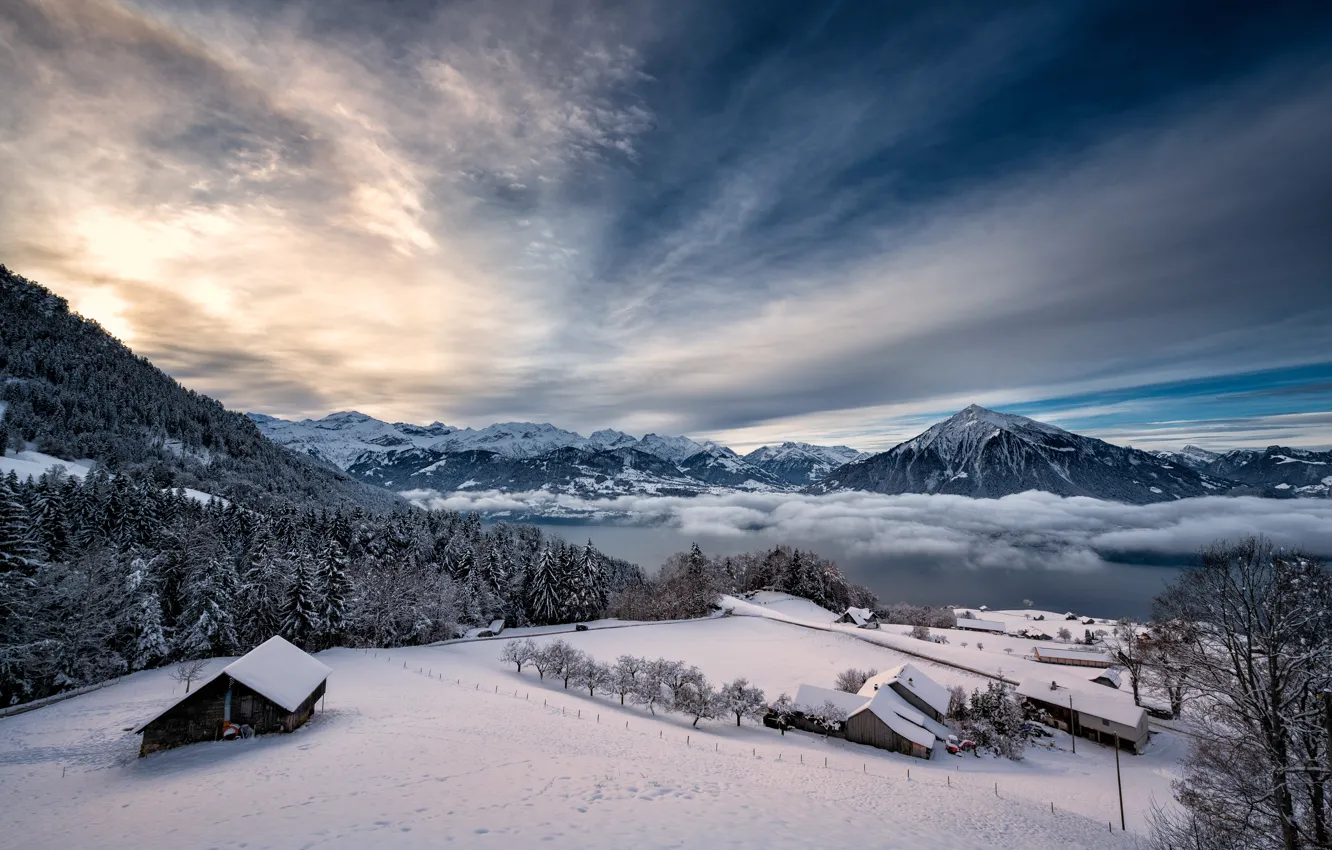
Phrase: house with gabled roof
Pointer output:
(914, 687)
(272, 688)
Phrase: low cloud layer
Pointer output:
(1029, 530)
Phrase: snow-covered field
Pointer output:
(441, 745)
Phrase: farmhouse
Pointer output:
(1071, 657)
(1098, 714)
(970, 625)
(888, 723)
(915, 688)
(273, 688)
(862, 618)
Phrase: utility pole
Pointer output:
(1072, 732)
(1119, 780)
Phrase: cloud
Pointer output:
(1026, 531)
(642, 217)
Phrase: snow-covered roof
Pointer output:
(1112, 676)
(276, 669)
(1100, 702)
(980, 625)
(811, 697)
(496, 626)
(1072, 654)
(899, 717)
(280, 671)
(910, 677)
(859, 616)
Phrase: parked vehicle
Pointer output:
(958, 747)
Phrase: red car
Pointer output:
(957, 748)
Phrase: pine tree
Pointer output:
(49, 522)
(17, 551)
(334, 588)
(544, 603)
(208, 625)
(591, 598)
(300, 607)
(261, 589)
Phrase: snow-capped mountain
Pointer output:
(981, 453)
(1194, 457)
(1277, 471)
(516, 456)
(802, 463)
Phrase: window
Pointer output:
(1105, 722)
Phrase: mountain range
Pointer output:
(519, 456)
(977, 452)
(71, 391)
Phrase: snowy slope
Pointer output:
(467, 752)
(984, 454)
(30, 464)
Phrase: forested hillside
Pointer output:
(70, 389)
(102, 576)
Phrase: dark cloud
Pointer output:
(714, 219)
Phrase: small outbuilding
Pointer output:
(967, 624)
(861, 618)
(1111, 677)
(272, 688)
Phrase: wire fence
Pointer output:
(955, 779)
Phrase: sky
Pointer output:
(743, 221)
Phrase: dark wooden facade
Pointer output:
(199, 716)
(865, 727)
(916, 702)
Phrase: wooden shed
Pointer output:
(888, 723)
(273, 688)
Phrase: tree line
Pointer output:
(655, 684)
(104, 575)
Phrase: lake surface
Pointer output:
(1113, 590)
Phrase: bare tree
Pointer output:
(694, 697)
(743, 700)
(519, 653)
(593, 675)
(1064, 635)
(852, 679)
(187, 671)
(1128, 647)
(624, 676)
(1257, 649)
(920, 632)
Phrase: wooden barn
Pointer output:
(273, 688)
(915, 688)
(888, 723)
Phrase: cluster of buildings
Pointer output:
(901, 710)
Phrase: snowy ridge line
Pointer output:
(570, 630)
(738, 752)
(867, 638)
(24, 707)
